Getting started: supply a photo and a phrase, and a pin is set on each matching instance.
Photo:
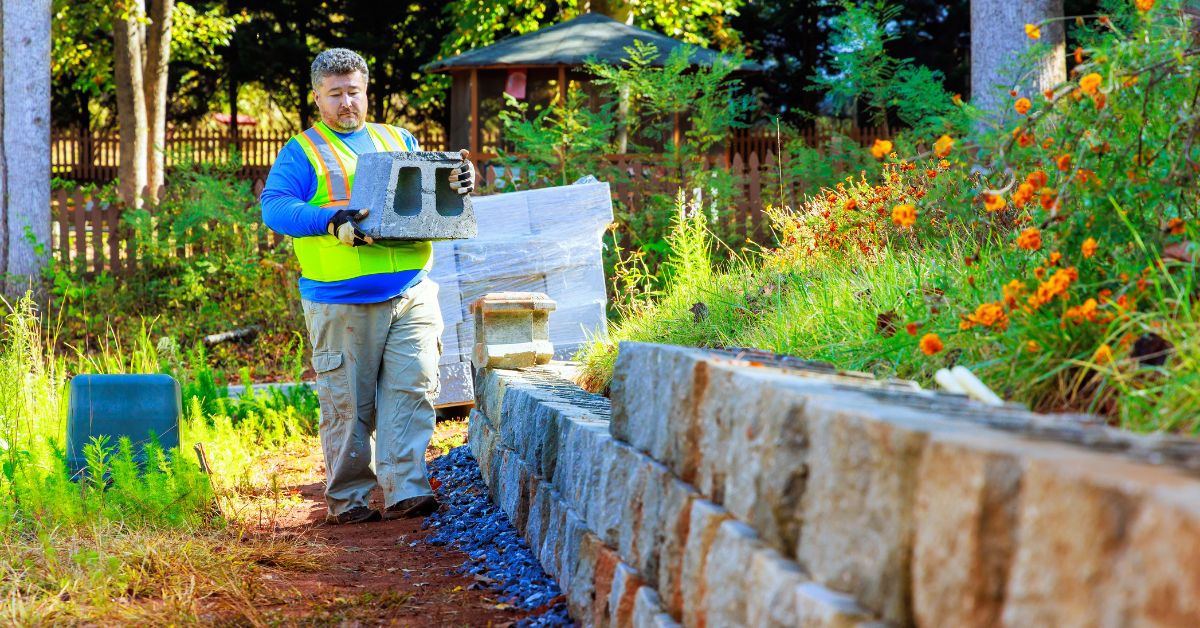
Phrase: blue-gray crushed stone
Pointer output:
(478, 527)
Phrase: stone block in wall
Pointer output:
(619, 606)
(674, 524)
(706, 519)
(857, 509)
(726, 585)
(648, 611)
(819, 607)
(771, 583)
(1105, 542)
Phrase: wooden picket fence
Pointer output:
(89, 231)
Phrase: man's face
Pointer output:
(342, 100)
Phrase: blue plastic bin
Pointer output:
(119, 406)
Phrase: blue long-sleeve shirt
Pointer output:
(291, 182)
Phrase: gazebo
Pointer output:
(537, 67)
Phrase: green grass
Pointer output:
(128, 545)
(827, 307)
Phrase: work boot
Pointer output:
(358, 514)
(418, 506)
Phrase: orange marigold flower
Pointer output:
(1032, 31)
(1049, 94)
(931, 173)
(1025, 140)
(1039, 272)
(1047, 143)
(1089, 247)
(1037, 179)
(911, 328)
(1030, 239)
(1032, 346)
(1090, 83)
(1078, 55)
(1023, 194)
(1104, 295)
(881, 148)
(1063, 162)
(1054, 258)
(1049, 199)
(990, 315)
(1175, 226)
(1080, 313)
(943, 145)
(931, 344)
(1144, 5)
(1103, 354)
(1099, 100)
(943, 164)
(851, 205)
(904, 215)
(956, 99)
(1022, 105)
(993, 202)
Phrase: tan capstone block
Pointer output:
(512, 330)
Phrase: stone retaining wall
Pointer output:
(717, 492)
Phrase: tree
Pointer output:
(24, 142)
(998, 41)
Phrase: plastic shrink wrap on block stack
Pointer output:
(546, 240)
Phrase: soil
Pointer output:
(380, 573)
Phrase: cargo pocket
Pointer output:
(333, 385)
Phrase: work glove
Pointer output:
(462, 178)
(342, 227)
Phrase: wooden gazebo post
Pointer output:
(473, 140)
(562, 84)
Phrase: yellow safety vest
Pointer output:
(324, 257)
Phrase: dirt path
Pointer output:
(375, 573)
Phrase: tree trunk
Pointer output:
(158, 59)
(998, 37)
(24, 145)
(131, 100)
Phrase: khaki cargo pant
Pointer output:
(377, 373)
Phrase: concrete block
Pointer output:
(410, 198)
(511, 330)
(706, 519)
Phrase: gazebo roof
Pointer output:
(571, 43)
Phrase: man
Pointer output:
(372, 314)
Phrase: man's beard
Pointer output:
(347, 122)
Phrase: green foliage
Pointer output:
(223, 280)
(1056, 257)
(858, 64)
(557, 144)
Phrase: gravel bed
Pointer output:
(499, 557)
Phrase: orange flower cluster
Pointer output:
(1056, 286)
(1090, 83)
(1012, 291)
(987, 315)
(1030, 239)
(993, 202)
(1144, 5)
(1089, 247)
(1022, 105)
(1033, 183)
(1063, 162)
(1103, 354)
(1032, 31)
(881, 148)
(1175, 226)
(931, 344)
(1080, 313)
(904, 215)
(943, 145)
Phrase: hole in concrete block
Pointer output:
(407, 201)
(448, 202)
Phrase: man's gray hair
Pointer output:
(337, 62)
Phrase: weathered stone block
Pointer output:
(706, 519)
(857, 506)
(674, 525)
(725, 583)
(818, 607)
(1104, 542)
(581, 596)
(511, 330)
(771, 582)
(621, 598)
(409, 197)
(648, 611)
(966, 527)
